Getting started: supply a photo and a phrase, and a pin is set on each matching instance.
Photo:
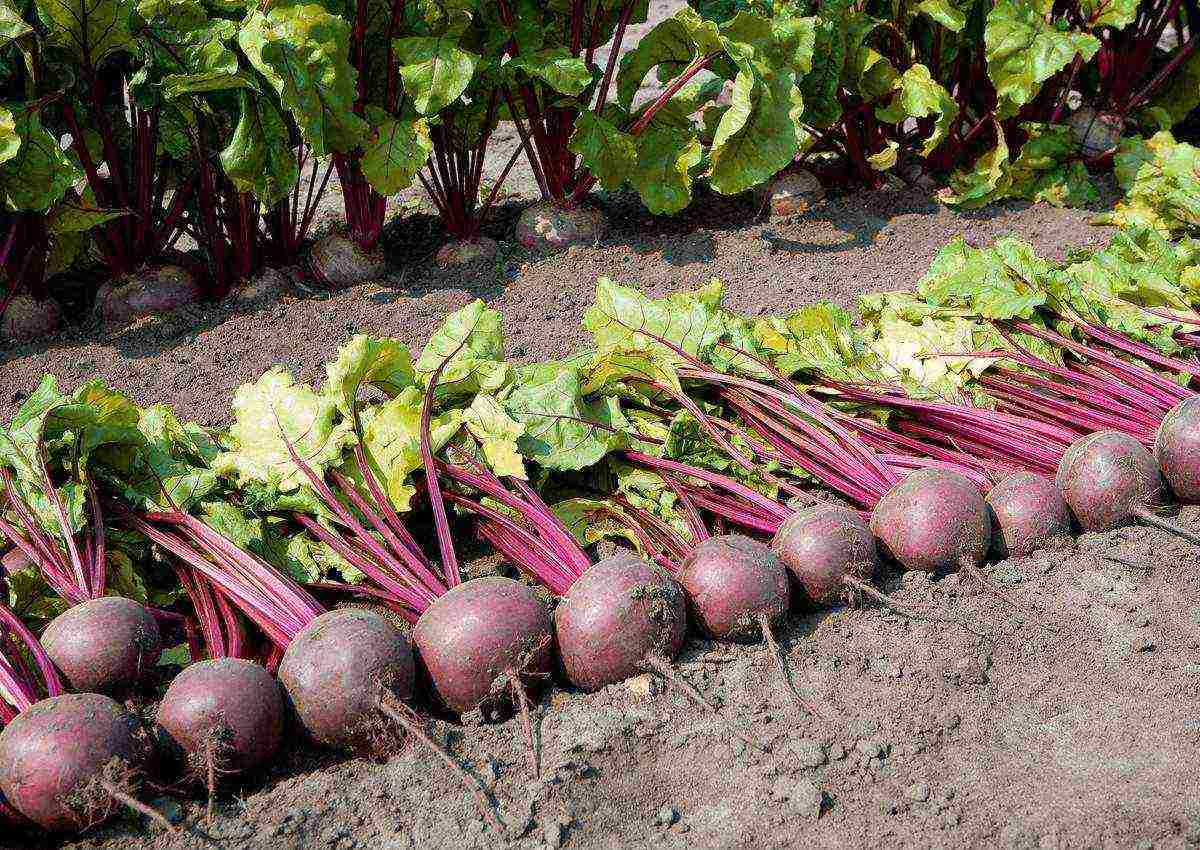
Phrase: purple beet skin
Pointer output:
(229, 710)
(1177, 450)
(104, 645)
(477, 634)
(334, 670)
(1028, 511)
(934, 521)
(732, 583)
(824, 545)
(1105, 477)
(53, 755)
(618, 613)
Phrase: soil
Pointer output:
(1073, 727)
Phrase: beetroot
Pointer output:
(27, 320)
(104, 645)
(347, 674)
(481, 634)
(224, 716)
(828, 549)
(738, 588)
(467, 252)
(735, 586)
(619, 614)
(67, 762)
(1177, 449)
(337, 262)
(934, 520)
(1028, 511)
(1108, 478)
(547, 226)
(151, 292)
(335, 670)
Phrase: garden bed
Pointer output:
(1076, 731)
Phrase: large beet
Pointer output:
(734, 585)
(480, 635)
(1177, 449)
(828, 549)
(153, 291)
(617, 615)
(1028, 511)
(1107, 478)
(60, 758)
(104, 645)
(337, 261)
(548, 227)
(335, 671)
(225, 716)
(934, 520)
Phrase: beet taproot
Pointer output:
(1028, 511)
(105, 645)
(1177, 450)
(933, 521)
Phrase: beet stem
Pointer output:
(403, 716)
(522, 700)
(664, 668)
(129, 801)
(764, 623)
(1150, 518)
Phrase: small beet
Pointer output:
(934, 520)
(480, 634)
(335, 670)
(1028, 511)
(225, 715)
(616, 615)
(734, 584)
(104, 645)
(66, 762)
(1177, 450)
(823, 547)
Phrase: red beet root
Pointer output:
(1177, 450)
(734, 585)
(480, 634)
(224, 715)
(618, 614)
(829, 550)
(935, 521)
(67, 762)
(1108, 478)
(1028, 511)
(335, 670)
(104, 645)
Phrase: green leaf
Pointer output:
(392, 442)
(1181, 93)
(40, 173)
(981, 281)
(671, 46)
(556, 68)
(381, 363)
(271, 413)
(92, 30)
(302, 51)
(757, 136)
(1108, 13)
(945, 12)
(259, 157)
(624, 319)
(395, 151)
(918, 95)
(1161, 179)
(12, 26)
(821, 104)
(498, 435)
(436, 71)
(562, 430)
(471, 343)
(662, 176)
(607, 152)
(1024, 50)
(981, 183)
